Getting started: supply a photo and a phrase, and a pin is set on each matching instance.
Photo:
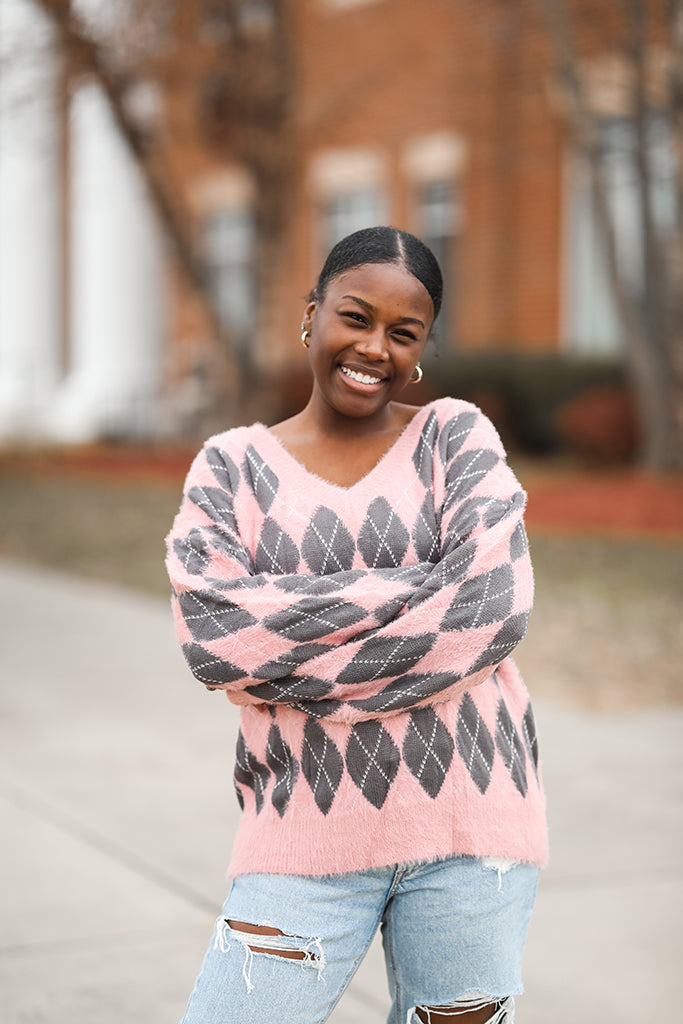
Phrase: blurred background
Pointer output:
(172, 174)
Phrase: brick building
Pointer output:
(441, 117)
(444, 118)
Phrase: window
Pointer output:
(438, 224)
(591, 320)
(350, 211)
(229, 254)
(346, 4)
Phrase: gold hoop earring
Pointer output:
(305, 335)
(418, 378)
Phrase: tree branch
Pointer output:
(174, 223)
(585, 131)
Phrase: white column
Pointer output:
(117, 293)
(30, 278)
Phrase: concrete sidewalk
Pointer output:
(117, 814)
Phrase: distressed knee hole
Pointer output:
(474, 1009)
(271, 941)
(270, 946)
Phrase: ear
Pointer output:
(308, 315)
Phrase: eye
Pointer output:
(405, 336)
(357, 317)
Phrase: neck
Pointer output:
(323, 420)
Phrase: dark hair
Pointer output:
(383, 245)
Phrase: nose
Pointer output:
(372, 345)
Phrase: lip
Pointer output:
(368, 371)
(357, 385)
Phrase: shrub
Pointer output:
(600, 425)
(524, 394)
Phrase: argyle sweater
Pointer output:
(366, 632)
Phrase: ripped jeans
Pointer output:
(453, 933)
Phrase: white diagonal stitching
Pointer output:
(383, 663)
(327, 544)
(288, 777)
(475, 746)
(321, 764)
(252, 455)
(371, 759)
(429, 747)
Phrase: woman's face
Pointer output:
(366, 337)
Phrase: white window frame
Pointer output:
(355, 175)
(229, 256)
(431, 162)
(590, 324)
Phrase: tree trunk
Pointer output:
(173, 218)
(651, 332)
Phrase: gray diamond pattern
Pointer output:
(261, 478)
(372, 759)
(423, 456)
(249, 771)
(503, 643)
(321, 708)
(321, 764)
(193, 552)
(426, 533)
(289, 661)
(510, 747)
(216, 503)
(518, 542)
(312, 618)
(224, 469)
(530, 736)
(208, 618)
(406, 691)
(284, 767)
(481, 600)
(466, 521)
(291, 688)
(465, 472)
(385, 656)
(209, 669)
(475, 743)
(327, 546)
(383, 538)
(453, 435)
(428, 749)
(305, 584)
(276, 552)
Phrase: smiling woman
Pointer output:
(356, 578)
(368, 320)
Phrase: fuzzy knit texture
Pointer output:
(366, 631)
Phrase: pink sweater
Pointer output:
(366, 632)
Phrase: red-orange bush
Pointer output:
(600, 424)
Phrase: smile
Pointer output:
(362, 378)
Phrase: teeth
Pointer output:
(363, 378)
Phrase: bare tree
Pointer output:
(652, 321)
(242, 86)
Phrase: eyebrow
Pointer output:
(371, 308)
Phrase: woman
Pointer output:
(356, 578)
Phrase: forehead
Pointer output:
(383, 285)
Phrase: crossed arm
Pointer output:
(361, 643)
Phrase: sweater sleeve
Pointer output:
(238, 626)
(356, 644)
(466, 616)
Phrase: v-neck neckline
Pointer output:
(285, 453)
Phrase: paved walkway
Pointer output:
(117, 814)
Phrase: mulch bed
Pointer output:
(625, 502)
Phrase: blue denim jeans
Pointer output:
(453, 933)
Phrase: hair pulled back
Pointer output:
(383, 245)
